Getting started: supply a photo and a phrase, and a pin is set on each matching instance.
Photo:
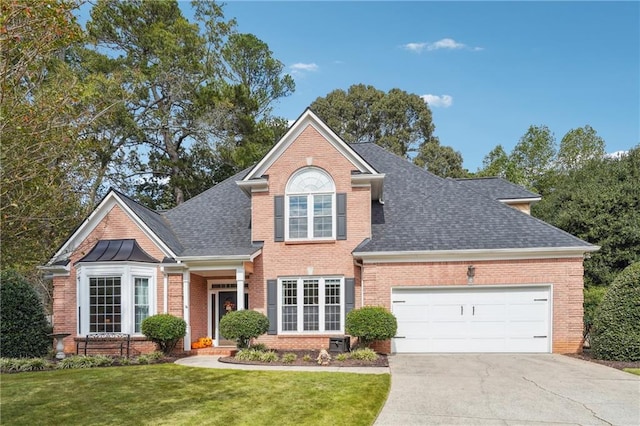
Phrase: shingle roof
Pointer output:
(497, 188)
(216, 222)
(155, 221)
(422, 212)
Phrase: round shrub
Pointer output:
(370, 324)
(242, 326)
(23, 325)
(165, 330)
(616, 327)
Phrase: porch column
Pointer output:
(240, 288)
(186, 297)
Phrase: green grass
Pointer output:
(169, 394)
(633, 370)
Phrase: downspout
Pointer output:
(165, 292)
(361, 266)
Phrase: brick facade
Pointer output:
(321, 258)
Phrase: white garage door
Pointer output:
(512, 319)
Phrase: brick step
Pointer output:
(221, 351)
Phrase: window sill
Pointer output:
(299, 242)
(306, 334)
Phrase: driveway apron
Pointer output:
(508, 389)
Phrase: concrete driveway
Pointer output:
(508, 389)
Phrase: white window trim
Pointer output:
(300, 305)
(310, 199)
(127, 272)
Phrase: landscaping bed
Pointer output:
(620, 365)
(309, 358)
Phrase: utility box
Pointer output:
(339, 344)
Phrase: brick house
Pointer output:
(319, 227)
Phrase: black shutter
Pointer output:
(349, 295)
(272, 306)
(278, 215)
(341, 216)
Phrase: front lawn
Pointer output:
(633, 370)
(171, 394)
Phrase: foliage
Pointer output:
(342, 357)
(244, 325)
(15, 365)
(307, 358)
(259, 347)
(165, 330)
(251, 354)
(370, 324)
(578, 147)
(23, 326)
(39, 198)
(592, 298)
(289, 358)
(170, 391)
(616, 328)
(532, 158)
(599, 203)
(440, 160)
(364, 354)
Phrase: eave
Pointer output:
(474, 254)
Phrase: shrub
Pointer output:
(364, 354)
(260, 347)
(371, 323)
(269, 356)
(288, 358)
(592, 298)
(165, 330)
(342, 357)
(23, 326)
(616, 327)
(242, 326)
(14, 365)
(77, 361)
(150, 358)
(249, 355)
(307, 358)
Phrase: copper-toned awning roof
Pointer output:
(118, 250)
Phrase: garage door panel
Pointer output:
(509, 319)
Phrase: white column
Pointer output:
(240, 288)
(165, 293)
(186, 289)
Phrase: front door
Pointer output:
(227, 302)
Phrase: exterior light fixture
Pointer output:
(471, 272)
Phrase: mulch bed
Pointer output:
(382, 360)
(587, 356)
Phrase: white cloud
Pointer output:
(444, 101)
(301, 67)
(445, 43)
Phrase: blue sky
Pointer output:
(489, 69)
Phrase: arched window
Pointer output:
(310, 205)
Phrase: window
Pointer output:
(115, 298)
(141, 302)
(310, 205)
(105, 305)
(311, 304)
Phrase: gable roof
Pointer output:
(308, 118)
(499, 189)
(422, 212)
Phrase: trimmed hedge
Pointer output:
(23, 325)
(242, 326)
(165, 330)
(616, 327)
(370, 324)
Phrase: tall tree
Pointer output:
(533, 157)
(578, 147)
(600, 203)
(440, 160)
(40, 202)
(172, 70)
(398, 121)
